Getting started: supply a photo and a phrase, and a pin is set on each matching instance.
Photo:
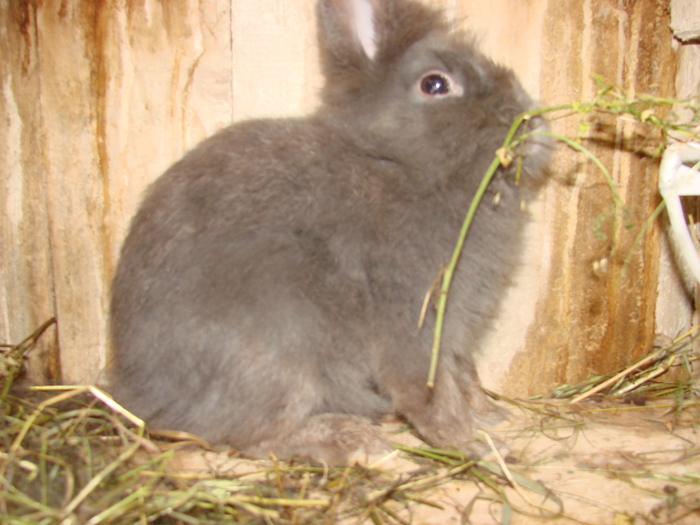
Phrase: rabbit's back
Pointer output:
(236, 289)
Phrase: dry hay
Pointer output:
(627, 454)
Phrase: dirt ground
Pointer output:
(591, 463)
(618, 465)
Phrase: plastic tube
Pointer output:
(679, 175)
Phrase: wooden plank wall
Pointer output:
(595, 312)
(98, 98)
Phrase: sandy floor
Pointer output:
(591, 463)
(603, 465)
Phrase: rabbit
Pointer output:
(268, 291)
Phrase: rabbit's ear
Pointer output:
(347, 32)
(363, 26)
(361, 38)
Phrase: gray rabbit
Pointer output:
(268, 292)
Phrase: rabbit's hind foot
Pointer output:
(332, 439)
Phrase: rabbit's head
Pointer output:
(412, 89)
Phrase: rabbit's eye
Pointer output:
(435, 84)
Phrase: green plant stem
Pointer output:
(449, 271)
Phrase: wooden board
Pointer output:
(685, 20)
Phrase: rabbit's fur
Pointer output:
(268, 292)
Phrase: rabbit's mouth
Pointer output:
(538, 147)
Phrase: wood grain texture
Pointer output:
(589, 321)
(27, 292)
(115, 92)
